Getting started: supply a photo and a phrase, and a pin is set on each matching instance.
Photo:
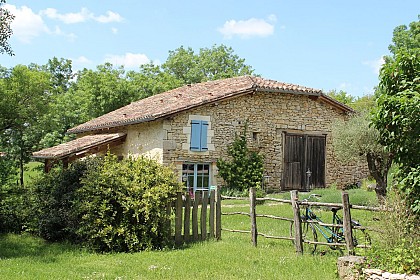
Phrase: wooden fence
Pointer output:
(297, 221)
(197, 218)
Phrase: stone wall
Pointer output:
(348, 268)
(269, 116)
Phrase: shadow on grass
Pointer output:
(27, 246)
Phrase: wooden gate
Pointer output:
(304, 162)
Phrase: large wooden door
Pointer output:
(304, 162)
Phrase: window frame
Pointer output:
(195, 175)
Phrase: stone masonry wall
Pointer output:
(269, 115)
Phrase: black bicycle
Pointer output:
(332, 233)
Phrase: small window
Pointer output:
(196, 177)
(255, 136)
(199, 135)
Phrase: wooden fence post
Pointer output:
(218, 214)
(297, 222)
(254, 233)
(187, 215)
(178, 219)
(211, 215)
(348, 235)
(204, 215)
(168, 222)
(195, 216)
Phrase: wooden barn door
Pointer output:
(303, 153)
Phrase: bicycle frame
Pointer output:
(331, 234)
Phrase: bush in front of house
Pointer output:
(53, 216)
(122, 205)
(105, 204)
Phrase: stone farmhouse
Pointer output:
(190, 127)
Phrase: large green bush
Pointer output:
(105, 204)
(122, 205)
(12, 197)
(53, 216)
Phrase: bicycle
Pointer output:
(332, 233)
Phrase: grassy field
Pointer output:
(32, 169)
(233, 257)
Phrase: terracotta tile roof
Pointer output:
(77, 145)
(187, 97)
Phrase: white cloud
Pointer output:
(248, 28)
(109, 17)
(129, 60)
(82, 16)
(114, 30)
(82, 60)
(68, 18)
(27, 24)
(375, 64)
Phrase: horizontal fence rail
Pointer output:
(296, 222)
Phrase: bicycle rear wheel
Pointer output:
(308, 234)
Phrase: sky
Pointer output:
(328, 45)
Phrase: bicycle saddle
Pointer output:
(335, 209)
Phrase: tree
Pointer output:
(25, 99)
(215, 63)
(341, 96)
(6, 32)
(355, 139)
(244, 169)
(398, 116)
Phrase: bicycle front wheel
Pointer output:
(309, 236)
(361, 238)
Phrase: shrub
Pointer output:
(398, 249)
(122, 205)
(244, 169)
(53, 194)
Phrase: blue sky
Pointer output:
(321, 44)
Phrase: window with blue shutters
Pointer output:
(199, 135)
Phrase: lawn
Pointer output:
(233, 257)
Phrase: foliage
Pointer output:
(341, 96)
(6, 31)
(12, 208)
(209, 64)
(244, 169)
(354, 140)
(398, 246)
(122, 205)
(398, 116)
(52, 202)
(24, 103)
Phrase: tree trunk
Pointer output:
(21, 171)
(378, 168)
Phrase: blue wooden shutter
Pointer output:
(204, 128)
(195, 141)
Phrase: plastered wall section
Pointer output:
(269, 116)
(143, 139)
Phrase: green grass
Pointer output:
(32, 170)
(233, 257)
(357, 196)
